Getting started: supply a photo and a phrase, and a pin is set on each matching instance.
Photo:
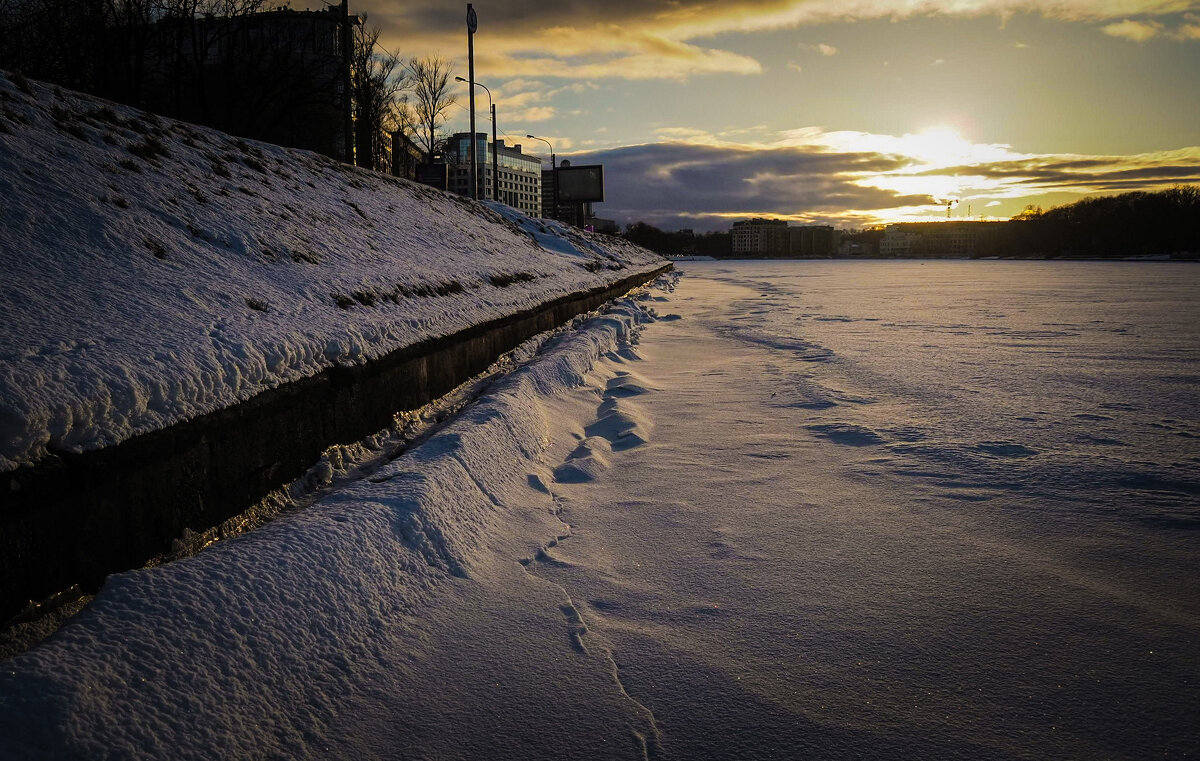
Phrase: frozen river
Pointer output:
(909, 510)
(820, 510)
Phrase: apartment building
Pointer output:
(519, 179)
(762, 238)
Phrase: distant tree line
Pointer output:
(1139, 223)
(1129, 224)
(682, 243)
(225, 64)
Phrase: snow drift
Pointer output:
(155, 271)
(254, 647)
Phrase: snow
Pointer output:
(154, 271)
(828, 510)
(261, 645)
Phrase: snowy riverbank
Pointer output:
(281, 642)
(155, 271)
(836, 510)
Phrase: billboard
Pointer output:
(581, 184)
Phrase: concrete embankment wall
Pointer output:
(75, 518)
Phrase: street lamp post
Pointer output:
(495, 162)
(472, 26)
(553, 172)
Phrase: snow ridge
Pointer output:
(248, 648)
(585, 463)
(154, 271)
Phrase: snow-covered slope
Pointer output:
(319, 636)
(152, 271)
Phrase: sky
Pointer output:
(845, 112)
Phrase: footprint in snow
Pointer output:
(848, 434)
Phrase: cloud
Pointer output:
(523, 92)
(823, 48)
(579, 50)
(684, 134)
(1137, 31)
(694, 179)
(659, 59)
(731, 132)
(795, 66)
(538, 148)
(526, 100)
(1142, 30)
(1090, 173)
(708, 186)
(531, 114)
(764, 15)
(661, 39)
(1189, 30)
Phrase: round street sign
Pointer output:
(472, 20)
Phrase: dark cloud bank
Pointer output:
(699, 186)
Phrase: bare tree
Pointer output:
(53, 40)
(406, 115)
(198, 28)
(431, 77)
(377, 81)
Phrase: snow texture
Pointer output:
(899, 510)
(152, 271)
(261, 645)
(833, 510)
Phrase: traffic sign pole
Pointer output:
(472, 25)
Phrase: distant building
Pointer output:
(761, 238)
(606, 226)
(406, 156)
(272, 76)
(813, 241)
(851, 249)
(939, 239)
(897, 241)
(520, 175)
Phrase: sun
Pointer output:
(942, 132)
(937, 146)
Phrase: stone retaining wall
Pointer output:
(75, 518)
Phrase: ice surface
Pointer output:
(154, 271)
(978, 580)
(905, 550)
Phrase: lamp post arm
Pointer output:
(492, 108)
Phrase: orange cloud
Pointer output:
(657, 39)
(696, 179)
(1189, 30)
(1137, 31)
(823, 48)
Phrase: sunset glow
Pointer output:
(855, 112)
